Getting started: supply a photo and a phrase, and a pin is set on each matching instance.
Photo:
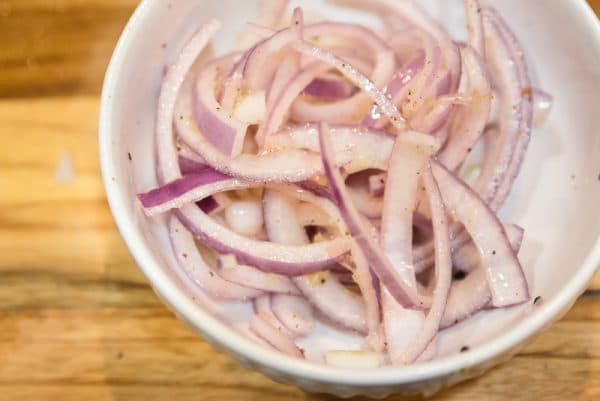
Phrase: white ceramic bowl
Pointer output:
(556, 198)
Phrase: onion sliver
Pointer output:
(503, 270)
(252, 277)
(294, 312)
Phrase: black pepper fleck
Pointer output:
(537, 300)
(464, 348)
(494, 252)
(459, 275)
(129, 156)
(211, 274)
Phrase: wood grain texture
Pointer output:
(77, 319)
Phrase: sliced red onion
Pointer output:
(217, 125)
(288, 69)
(504, 273)
(356, 148)
(198, 270)
(376, 259)
(232, 86)
(467, 258)
(412, 12)
(172, 83)
(542, 105)
(354, 107)
(252, 277)
(397, 89)
(270, 14)
(410, 154)
(470, 122)
(466, 297)
(285, 79)
(264, 308)
(370, 289)
(401, 326)
(472, 294)
(294, 312)
(291, 165)
(475, 26)
(428, 327)
(508, 68)
(324, 291)
(187, 189)
(433, 120)
(505, 59)
(274, 337)
(285, 160)
(189, 166)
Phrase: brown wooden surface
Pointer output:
(77, 320)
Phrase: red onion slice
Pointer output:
(274, 337)
(270, 14)
(189, 166)
(410, 153)
(198, 270)
(475, 26)
(466, 297)
(356, 148)
(263, 308)
(250, 276)
(172, 83)
(505, 58)
(504, 273)
(472, 119)
(471, 294)
(217, 125)
(187, 189)
(467, 258)
(294, 312)
(428, 327)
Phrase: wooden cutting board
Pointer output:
(77, 320)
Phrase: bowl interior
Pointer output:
(555, 199)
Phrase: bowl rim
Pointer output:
(218, 332)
